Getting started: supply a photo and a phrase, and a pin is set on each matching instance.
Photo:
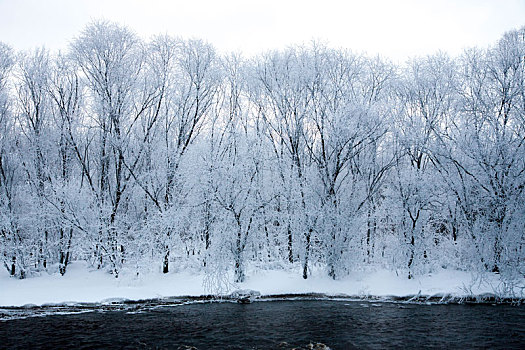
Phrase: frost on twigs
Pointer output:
(217, 279)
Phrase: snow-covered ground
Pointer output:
(81, 284)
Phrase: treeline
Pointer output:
(163, 154)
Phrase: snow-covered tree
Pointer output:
(164, 155)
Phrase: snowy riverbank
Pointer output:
(82, 285)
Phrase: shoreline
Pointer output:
(8, 313)
(115, 303)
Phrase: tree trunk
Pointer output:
(411, 259)
(165, 263)
(13, 266)
(290, 246)
(239, 268)
(307, 254)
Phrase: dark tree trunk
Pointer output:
(239, 273)
(497, 256)
(165, 264)
(411, 259)
(307, 254)
(13, 266)
(290, 246)
(239, 268)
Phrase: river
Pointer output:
(267, 324)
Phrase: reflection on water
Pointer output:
(267, 325)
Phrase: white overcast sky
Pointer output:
(394, 28)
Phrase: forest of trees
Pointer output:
(165, 155)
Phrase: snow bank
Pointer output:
(80, 284)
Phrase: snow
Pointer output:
(82, 284)
(377, 283)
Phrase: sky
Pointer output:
(398, 29)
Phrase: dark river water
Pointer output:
(265, 325)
